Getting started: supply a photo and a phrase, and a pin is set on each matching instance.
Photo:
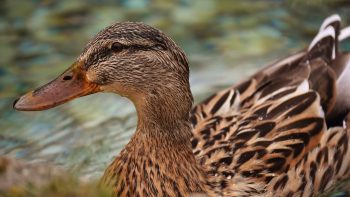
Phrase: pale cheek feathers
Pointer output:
(91, 76)
(102, 74)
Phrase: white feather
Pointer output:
(344, 34)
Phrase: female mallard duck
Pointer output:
(282, 132)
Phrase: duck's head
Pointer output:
(130, 59)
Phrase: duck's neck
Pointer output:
(158, 160)
(164, 113)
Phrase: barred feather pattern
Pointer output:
(270, 135)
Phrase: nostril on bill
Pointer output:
(67, 77)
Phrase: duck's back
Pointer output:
(284, 131)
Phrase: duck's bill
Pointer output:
(69, 85)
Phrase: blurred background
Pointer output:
(225, 41)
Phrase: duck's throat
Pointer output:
(155, 167)
(158, 160)
(164, 113)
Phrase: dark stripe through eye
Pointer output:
(117, 47)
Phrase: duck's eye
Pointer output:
(117, 47)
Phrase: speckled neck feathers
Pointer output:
(158, 160)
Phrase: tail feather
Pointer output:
(330, 69)
(331, 20)
(334, 21)
(323, 45)
(322, 51)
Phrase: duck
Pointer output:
(284, 131)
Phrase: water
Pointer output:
(224, 41)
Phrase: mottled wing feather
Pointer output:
(271, 123)
(320, 168)
(252, 143)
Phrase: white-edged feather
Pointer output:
(331, 19)
(328, 31)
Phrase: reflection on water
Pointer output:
(224, 41)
